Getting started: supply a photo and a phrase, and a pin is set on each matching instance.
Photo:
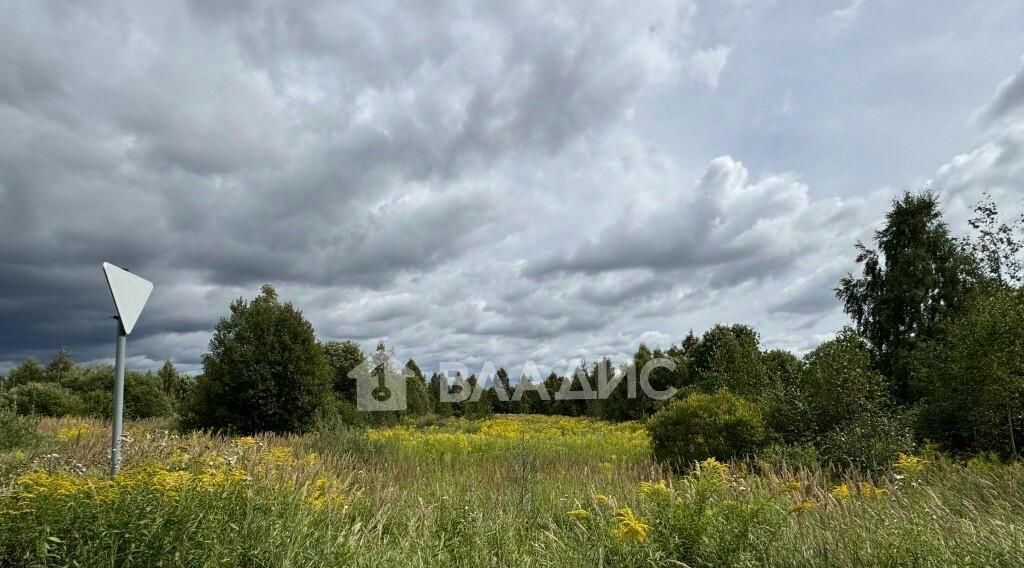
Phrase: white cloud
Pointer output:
(706, 65)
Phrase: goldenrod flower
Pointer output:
(802, 506)
(578, 514)
(910, 464)
(631, 527)
(648, 488)
(840, 492)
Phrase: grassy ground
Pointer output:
(508, 491)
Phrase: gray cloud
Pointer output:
(473, 181)
(1007, 101)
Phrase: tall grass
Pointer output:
(510, 491)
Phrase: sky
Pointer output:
(479, 181)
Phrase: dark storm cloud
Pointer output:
(220, 145)
(463, 179)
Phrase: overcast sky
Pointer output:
(503, 181)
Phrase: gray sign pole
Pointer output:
(115, 443)
(130, 294)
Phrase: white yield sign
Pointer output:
(130, 294)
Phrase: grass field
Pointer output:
(506, 491)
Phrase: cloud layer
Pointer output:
(470, 181)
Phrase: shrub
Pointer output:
(870, 442)
(47, 399)
(720, 425)
(17, 431)
(839, 384)
(265, 370)
(143, 395)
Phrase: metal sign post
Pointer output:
(115, 443)
(130, 294)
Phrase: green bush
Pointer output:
(265, 371)
(720, 425)
(870, 442)
(45, 399)
(17, 431)
(143, 395)
(839, 384)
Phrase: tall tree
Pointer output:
(265, 370)
(62, 367)
(167, 376)
(917, 276)
(344, 356)
(729, 357)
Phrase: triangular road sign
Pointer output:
(130, 293)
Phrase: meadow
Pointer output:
(502, 491)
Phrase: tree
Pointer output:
(28, 371)
(437, 384)
(728, 357)
(917, 276)
(784, 402)
(61, 368)
(265, 370)
(168, 378)
(839, 383)
(972, 378)
(848, 406)
(416, 396)
(997, 245)
(344, 356)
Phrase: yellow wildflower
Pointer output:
(870, 491)
(631, 527)
(840, 492)
(712, 466)
(282, 455)
(247, 442)
(793, 485)
(76, 432)
(578, 514)
(910, 464)
(648, 488)
(802, 506)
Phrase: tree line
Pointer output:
(934, 353)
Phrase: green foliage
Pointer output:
(839, 383)
(870, 441)
(61, 368)
(17, 431)
(344, 356)
(720, 425)
(729, 357)
(917, 276)
(45, 399)
(143, 395)
(28, 371)
(972, 380)
(997, 245)
(848, 406)
(785, 405)
(264, 371)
